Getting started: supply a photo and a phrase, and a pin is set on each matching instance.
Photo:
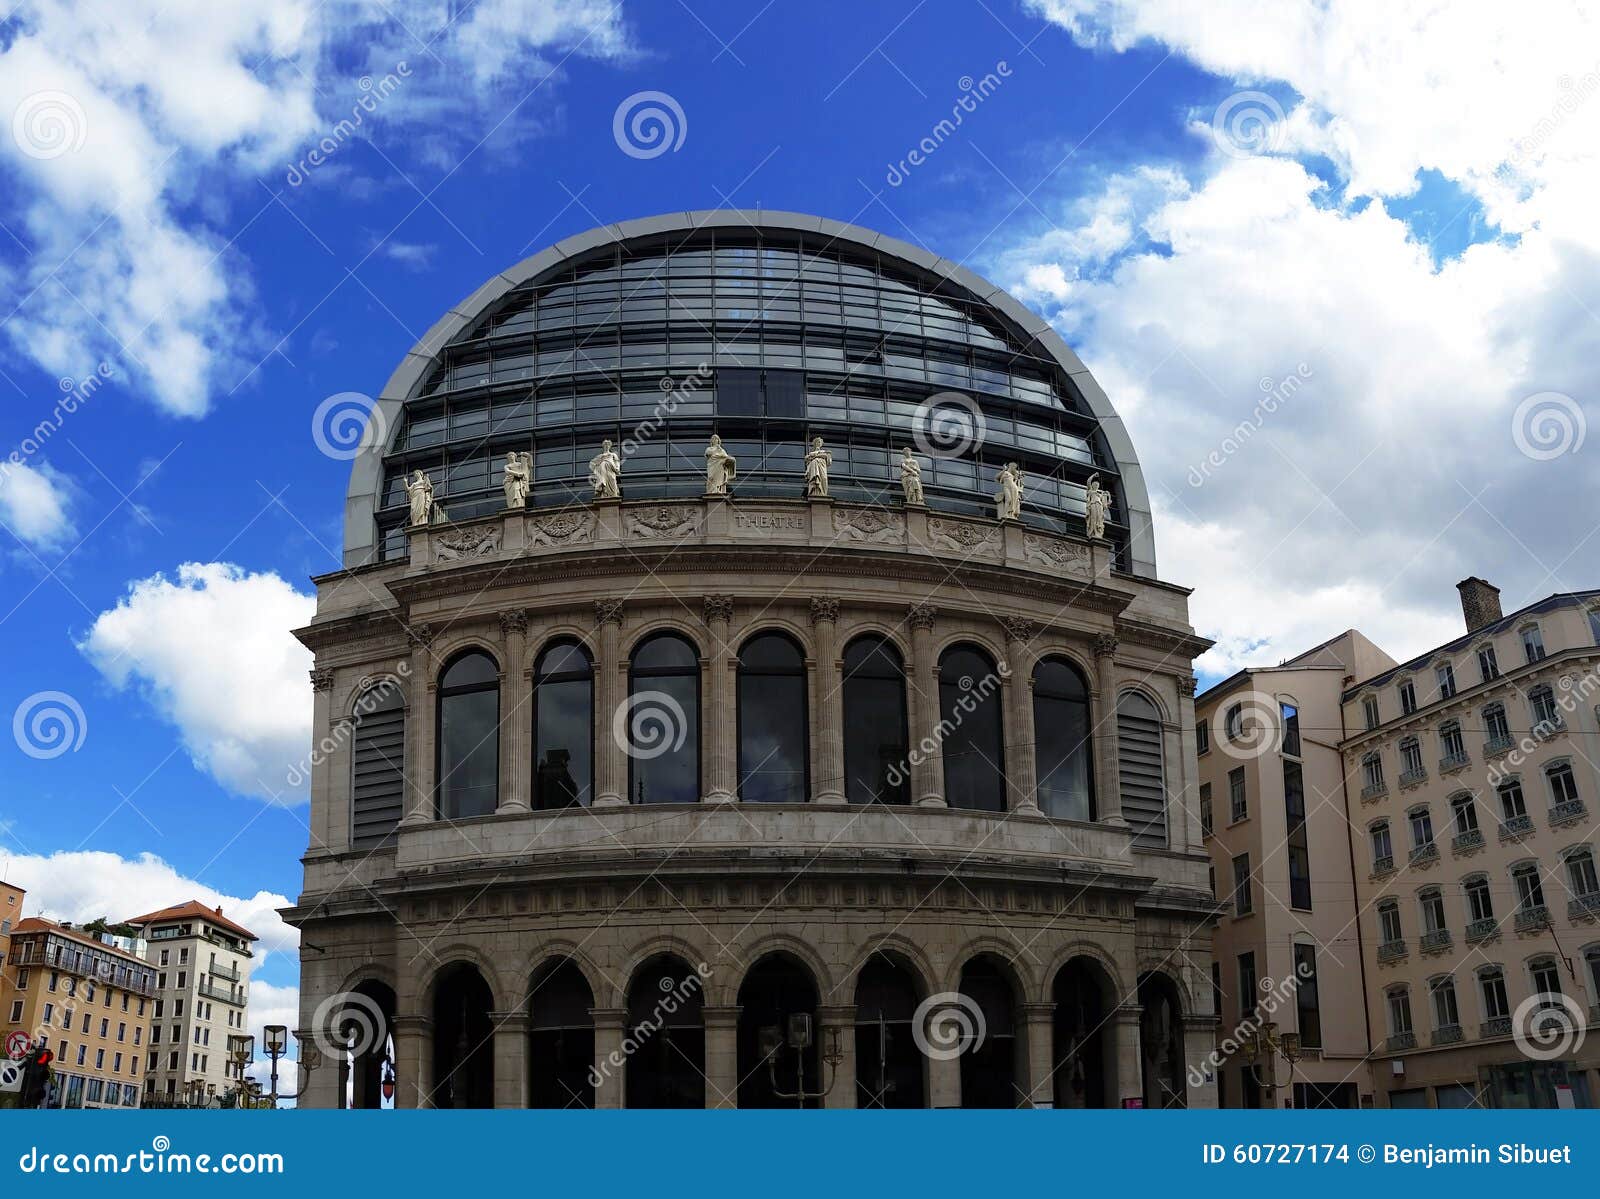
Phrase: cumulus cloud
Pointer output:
(134, 137)
(81, 885)
(1332, 417)
(35, 504)
(212, 652)
(272, 1004)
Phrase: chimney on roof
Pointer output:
(219, 909)
(1480, 602)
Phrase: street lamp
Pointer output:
(275, 1038)
(1268, 1044)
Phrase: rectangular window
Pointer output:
(1446, 674)
(1399, 1012)
(1533, 643)
(1408, 698)
(1594, 624)
(1445, 1014)
(1247, 984)
(1369, 708)
(1242, 904)
(1202, 737)
(1205, 809)
(1238, 803)
(1492, 986)
(1305, 996)
(1299, 848)
(1480, 903)
(1389, 923)
(1290, 716)
(16, 1011)
(1487, 666)
(1382, 847)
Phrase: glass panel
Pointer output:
(974, 753)
(1062, 741)
(772, 722)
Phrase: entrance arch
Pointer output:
(890, 1069)
(989, 1063)
(1161, 1042)
(665, 1044)
(560, 1037)
(1084, 1035)
(463, 1039)
(365, 1027)
(779, 1065)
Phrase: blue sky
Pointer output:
(1404, 227)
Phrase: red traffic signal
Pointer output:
(43, 1057)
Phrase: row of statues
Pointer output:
(605, 478)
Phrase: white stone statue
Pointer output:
(720, 467)
(419, 490)
(605, 473)
(1008, 500)
(518, 478)
(817, 462)
(911, 477)
(1096, 503)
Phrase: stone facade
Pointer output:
(723, 885)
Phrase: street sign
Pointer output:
(17, 1045)
(11, 1076)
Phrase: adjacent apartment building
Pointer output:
(1473, 780)
(10, 913)
(92, 1001)
(1288, 947)
(1413, 846)
(202, 976)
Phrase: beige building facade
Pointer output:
(861, 798)
(202, 964)
(91, 1002)
(1288, 947)
(1473, 778)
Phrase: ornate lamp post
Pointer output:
(799, 1039)
(275, 1039)
(1266, 1044)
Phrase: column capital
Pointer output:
(1034, 1013)
(1127, 1013)
(837, 1016)
(1186, 685)
(1105, 645)
(420, 635)
(322, 679)
(922, 616)
(608, 611)
(412, 1024)
(514, 1021)
(513, 620)
(1018, 630)
(720, 1016)
(609, 1017)
(824, 609)
(718, 607)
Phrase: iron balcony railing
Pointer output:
(222, 994)
(1374, 790)
(1391, 951)
(1516, 828)
(1533, 918)
(1414, 778)
(1383, 865)
(1453, 762)
(1424, 853)
(1447, 1034)
(1499, 1026)
(1581, 907)
(1467, 841)
(1495, 746)
(1569, 812)
(1482, 930)
(1402, 1040)
(1436, 940)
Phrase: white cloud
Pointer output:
(81, 885)
(137, 134)
(35, 503)
(271, 1004)
(213, 653)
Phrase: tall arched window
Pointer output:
(1144, 780)
(563, 727)
(469, 736)
(875, 738)
(974, 740)
(1062, 742)
(773, 757)
(662, 723)
(377, 766)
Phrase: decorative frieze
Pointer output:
(480, 541)
(561, 528)
(870, 525)
(663, 520)
(963, 536)
(1053, 551)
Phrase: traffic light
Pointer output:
(36, 1077)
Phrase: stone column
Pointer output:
(510, 1059)
(1108, 772)
(421, 696)
(1039, 1020)
(927, 766)
(325, 837)
(1022, 765)
(944, 1081)
(1130, 1060)
(608, 1028)
(829, 786)
(722, 721)
(722, 1056)
(516, 716)
(413, 1052)
(842, 1090)
(611, 680)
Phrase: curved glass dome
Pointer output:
(767, 329)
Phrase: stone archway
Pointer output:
(891, 1071)
(1085, 1035)
(463, 1039)
(560, 1037)
(779, 1063)
(1161, 1042)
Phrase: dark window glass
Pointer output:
(776, 993)
(1061, 734)
(561, 1039)
(876, 766)
(786, 394)
(563, 727)
(469, 737)
(988, 1063)
(663, 721)
(1305, 996)
(666, 1068)
(1299, 853)
(772, 721)
(974, 743)
(738, 391)
(888, 1062)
